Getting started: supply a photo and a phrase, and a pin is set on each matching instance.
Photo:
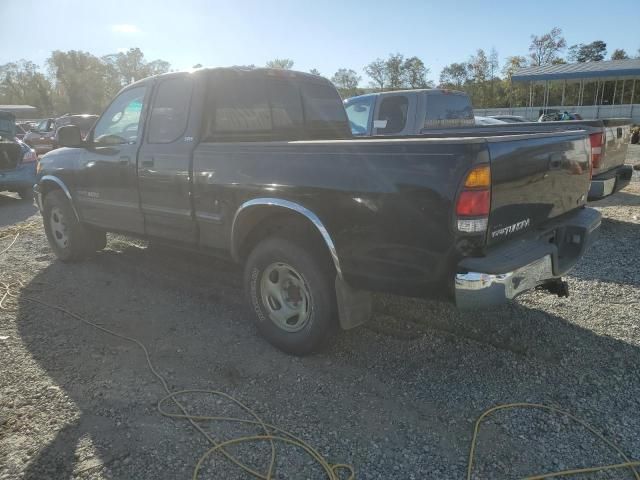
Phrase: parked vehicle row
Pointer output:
(42, 138)
(434, 113)
(260, 166)
(17, 160)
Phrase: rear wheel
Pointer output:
(69, 239)
(291, 288)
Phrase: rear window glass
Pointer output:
(286, 108)
(240, 108)
(251, 106)
(448, 110)
(324, 114)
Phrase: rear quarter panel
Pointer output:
(387, 204)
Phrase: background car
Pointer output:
(510, 118)
(43, 137)
(487, 121)
(17, 160)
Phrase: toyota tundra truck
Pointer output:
(260, 167)
(447, 113)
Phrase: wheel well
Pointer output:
(263, 221)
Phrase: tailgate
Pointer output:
(535, 178)
(617, 138)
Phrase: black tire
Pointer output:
(69, 240)
(317, 274)
(26, 193)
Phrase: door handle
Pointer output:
(124, 160)
(147, 162)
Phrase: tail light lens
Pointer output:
(596, 140)
(474, 202)
(30, 157)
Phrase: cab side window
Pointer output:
(240, 109)
(170, 113)
(120, 123)
(393, 111)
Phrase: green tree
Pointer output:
(281, 63)
(21, 82)
(82, 81)
(346, 81)
(544, 49)
(590, 52)
(395, 71)
(454, 76)
(377, 72)
(131, 66)
(415, 73)
(315, 71)
(619, 54)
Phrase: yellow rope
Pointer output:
(627, 462)
(332, 472)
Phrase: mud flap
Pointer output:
(354, 306)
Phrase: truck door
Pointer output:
(107, 192)
(164, 163)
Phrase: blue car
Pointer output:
(17, 160)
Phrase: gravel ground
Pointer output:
(396, 399)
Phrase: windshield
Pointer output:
(359, 112)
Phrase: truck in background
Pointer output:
(436, 113)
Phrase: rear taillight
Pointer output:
(30, 157)
(474, 201)
(596, 140)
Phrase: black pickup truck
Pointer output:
(260, 166)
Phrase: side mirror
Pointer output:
(69, 136)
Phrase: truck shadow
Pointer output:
(191, 315)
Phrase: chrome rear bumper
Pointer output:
(479, 290)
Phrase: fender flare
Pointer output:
(289, 205)
(62, 186)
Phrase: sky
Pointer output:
(326, 35)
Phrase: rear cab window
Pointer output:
(444, 109)
(250, 106)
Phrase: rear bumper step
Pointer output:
(535, 260)
(610, 182)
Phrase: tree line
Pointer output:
(79, 82)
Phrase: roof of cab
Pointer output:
(276, 72)
(416, 91)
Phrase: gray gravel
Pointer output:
(397, 398)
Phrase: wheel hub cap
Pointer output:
(59, 229)
(286, 297)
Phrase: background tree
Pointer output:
(346, 81)
(22, 83)
(454, 76)
(479, 70)
(415, 73)
(131, 66)
(281, 63)
(544, 49)
(494, 65)
(197, 65)
(377, 72)
(83, 82)
(395, 71)
(315, 71)
(619, 54)
(515, 92)
(590, 52)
